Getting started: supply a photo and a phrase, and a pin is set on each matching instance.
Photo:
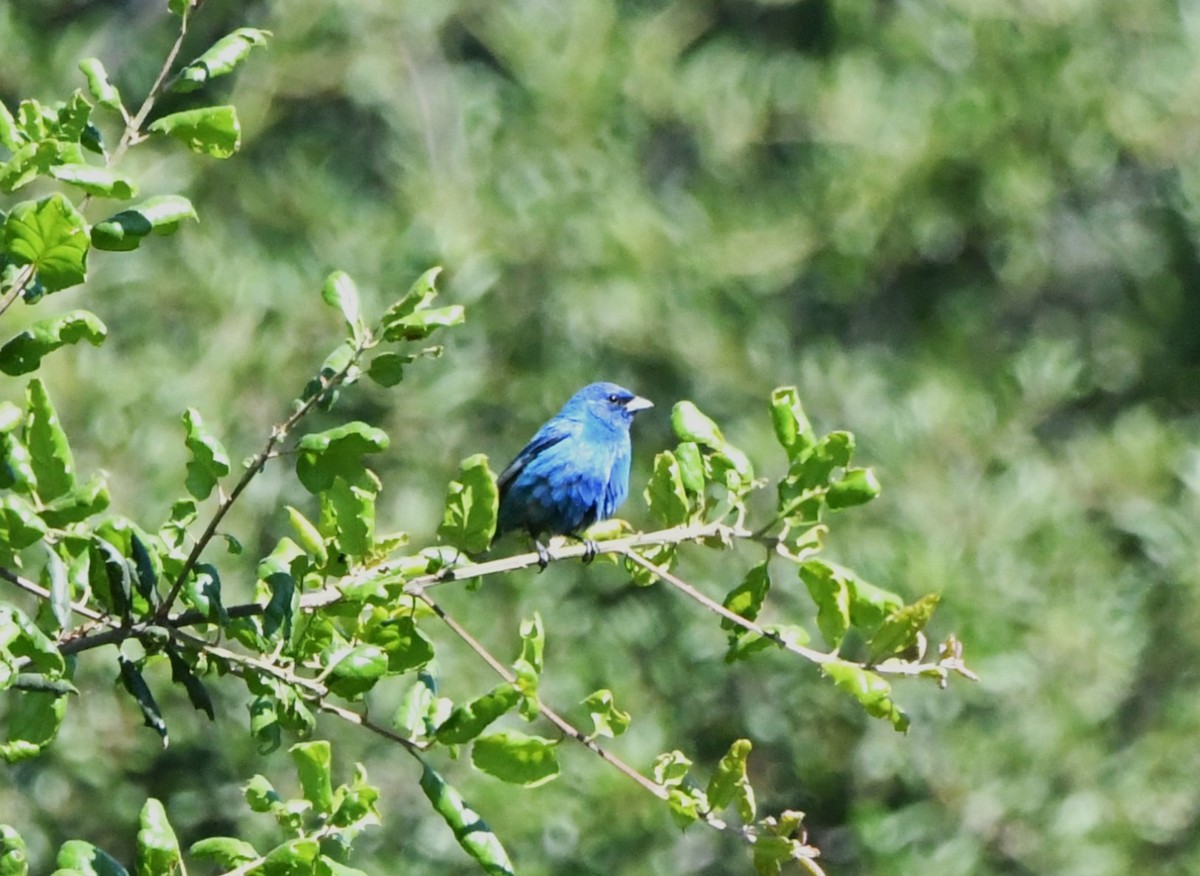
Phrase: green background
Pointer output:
(967, 230)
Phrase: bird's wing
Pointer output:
(551, 433)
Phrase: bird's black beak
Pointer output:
(637, 403)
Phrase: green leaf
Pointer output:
(671, 768)
(747, 598)
(51, 459)
(11, 136)
(157, 847)
(899, 629)
(869, 605)
(229, 852)
(423, 323)
(831, 592)
(224, 55)
(296, 857)
(406, 646)
(131, 679)
(33, 119)
(24, 352)
(309, 536)
(690, 424)
(95, 180)
(145, 567)
(14, 856)
(281, 607)
(868, 688)
(203, 593)
(469, 518)
(260, 795)
(417, 713)
(387, 369)
(467, 721)
(326, 455)
(348, 514)
(685, 804)
(857, 487)
(358, 670)
(20, 525)
(102, 91)
(161, 215)
(419, 295)
(313, 763)
(209, 462)
(183, 673)
(792, 428)
(691, 467)
(607, 719)
(354, 805)
(21, 638)
(516, 758)
(665, 494)
(729, 783)
(51, 235)
(59, 586)
(472, 833)
(340, 292)
(533, 643)
(213, 130)
(179, 7)
(114, 582)
(31, 723)
(87, 859)
(71, 118)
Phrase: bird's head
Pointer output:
(607, 402)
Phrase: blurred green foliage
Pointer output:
(966, 230)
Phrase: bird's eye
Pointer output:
(614, 398)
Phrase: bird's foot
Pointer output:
(543, 555)
(590, 549)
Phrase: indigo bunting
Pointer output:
(575, 470)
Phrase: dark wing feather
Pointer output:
(547, 436)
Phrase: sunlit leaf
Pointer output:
(729, 783)
(868, 688)
(221, 58)
(103, 91)
(95, 180)
(157, 850)
(314, 762)
(516, 758)
(607, 719)
(24, 352)
(472, 833)
(213, 130)
(209, 462)
(469, 518)
(51, 235)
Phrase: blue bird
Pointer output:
(575, 470)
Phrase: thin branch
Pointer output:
(553, 717)
(42, 593)
(278, 433)
(815, 656)
(134, 126)
(747, 833)
(24, 276)
(470, 571)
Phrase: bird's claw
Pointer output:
(543, 555)
(590, 549)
